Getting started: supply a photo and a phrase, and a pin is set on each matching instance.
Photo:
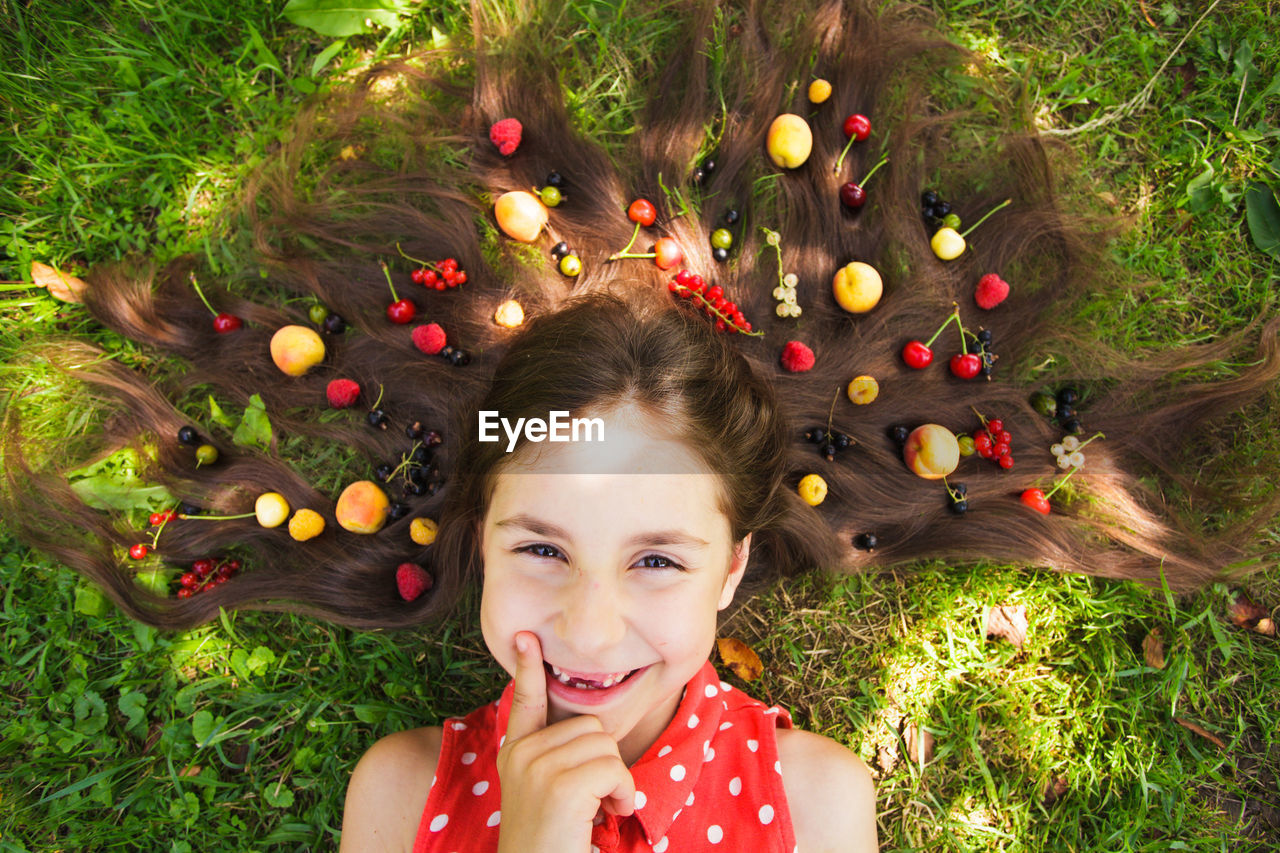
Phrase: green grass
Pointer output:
(134, 124)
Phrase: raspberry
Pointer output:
(991, 291)
(306, 524)
(429, 338)
(796, 357)
(342, 393)
(412, 580)
(506, 135)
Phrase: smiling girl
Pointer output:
(605, 566)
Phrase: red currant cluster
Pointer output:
(206, 574)
(440, 275)
(993, 442)
(713, 303)
(158, 518)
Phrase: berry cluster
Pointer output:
(936, 212)
(206, 454)
(993, 442)
(831, 442)
(785, 292)
(416, 472)
(988, 357)
(957, 498)
(553, 192)
(206, 574)
(439, 275)
(728, 318)
(1061, 407)
(567, 259)
(701, 172)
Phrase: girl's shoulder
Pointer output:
(389, 789)
(829, 793)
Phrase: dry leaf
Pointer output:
(740, 659)
(60, 285)
(190, 770)
(1053, 791)
(1153, 649)
(1246, 613)
(886, 759)
(919, 744)
(1008, 622)
(1204, 733)
(351, 152)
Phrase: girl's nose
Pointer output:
(591, 618)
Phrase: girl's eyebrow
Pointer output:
(538, 527)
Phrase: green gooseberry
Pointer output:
(317, 313)
(951, 220)
(967, 447)
(721, 238)
(551, 196)
(1044, 403)
(206, 454)
(570, 265)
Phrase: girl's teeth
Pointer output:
(609, 681)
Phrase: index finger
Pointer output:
(529, 705)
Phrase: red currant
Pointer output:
(137, 552)
(1006, 461)
(995, 426)
(449, 265)
(857, 126)
(917, 355)
(184, 593)
(419, 275)
(429, 278)
(189, 579)
(642, 212)
(460, 278)
(1003, 437)
(682, 277)
(982, 440)
(401, 312)
(224, 323)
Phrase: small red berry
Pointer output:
(449, 265)
(642, 212)
(224, 323)
(202, 567)
(189, 579)
(401, 311)
(852, 195)
(965, 366)
(184, 593)
(459, 278)
(683, 277)
(234, 564)
(982, 440)
(1004, 437)
(429, 278)
(917, 355)
(1035, 499)
(696, 284)
(714, 292)
(857, 126)
(412, 580)
(419, 275)
(155, 519)
(995, 426)
(1006, 461)
(137, 552)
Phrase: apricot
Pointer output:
(362, 507)
(296, 349)
(520, 215)
(857, 287)
(789, 141)
(931, 451)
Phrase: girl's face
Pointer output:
(617, 556)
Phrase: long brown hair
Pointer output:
(422, 185)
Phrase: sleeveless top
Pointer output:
(711, 782)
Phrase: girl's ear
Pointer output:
(737, 568)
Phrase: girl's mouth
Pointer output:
(596, 681)
(588, 688)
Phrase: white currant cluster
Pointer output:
(1070, 452)
(785, 292)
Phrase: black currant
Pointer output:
(420, 455)
(960, 507)
(1068, 397)
(559, 250)
(185, 508)
(986, 369)
(433, 438)
(555, 179)
(698, 174)
(708, 166)
(719, 255)
(334, 325)
(815, 435)
(865, 541)
(415, 430)
(941, 209)
(377, 418)
(899, 433)
(399, 509)
(960, 489)
(1073, 426)
(984, 335)
(928, 198)
(445, 351)
(731, 216)
(413, 487)
(842, 440)
(384, 471)
(1065, 411)
(188, 435)
(459, 357)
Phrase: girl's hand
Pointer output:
(554, 778)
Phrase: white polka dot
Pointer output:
(725, 687)
(502, 740)
(641, 799)
(433, 781)
(595, 849)
(689, 801)
(711, 690)
(715, 834)
(724, 726)
(438, 822)
(753, 745)
(775, 709)
(777, 765)
(480, 787)
(661, 846)
(677, 772)
(706, 745)
(458, 727)
(766, 814)
(676, 815)
(693, 721)
(468, 757)
(735, 785)
(494, 819)
(664, 751)
(709, 754)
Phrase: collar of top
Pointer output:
(667, 773)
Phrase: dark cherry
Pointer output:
(224, 323)
(852, 195)
(188, 435)
(334, 325)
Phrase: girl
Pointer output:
(604, 565)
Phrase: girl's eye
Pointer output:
(657, 561)
(540, 550)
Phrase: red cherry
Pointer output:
(224, 323)
(917, 355)
(666, 253)
(401, 312)
(966, 366)
(1035, 499)
(852, 195)
(137, 552)
(643, 212)
(857, 126)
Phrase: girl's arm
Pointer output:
(388, 792)
(829, 793)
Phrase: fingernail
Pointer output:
(522, 643)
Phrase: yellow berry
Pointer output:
(819, 91)
(271, 508)
(863, 390)
(306, 524)
(509, 314)
(423, 531)
(813, 489)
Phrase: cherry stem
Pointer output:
(1086, 442)
(883, 160)
(419, 261)
(847, 146)
(379, 400)
(832, 411)
(999, 206)
(623, 254)
(1061, 482)
(216, 517)
(955, 317)
(200, 293)
(386, 272)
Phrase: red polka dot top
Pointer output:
(711, 782)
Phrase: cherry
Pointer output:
(1035, 499)
(857, 126)
(137, 552)
(852, 195)
(224, 323)
(965, 365)
(642, 212)
(917, 355)
(401, 311)
(666, 253)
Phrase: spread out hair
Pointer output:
(615, 333)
